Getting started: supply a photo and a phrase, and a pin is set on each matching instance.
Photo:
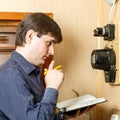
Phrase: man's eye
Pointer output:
(49, 43)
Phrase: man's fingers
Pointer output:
(51, 66)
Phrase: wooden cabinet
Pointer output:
(8, 25)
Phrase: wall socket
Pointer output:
(117, 112)
(115, 44)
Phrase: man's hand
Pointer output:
(54, 77)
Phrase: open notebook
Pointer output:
(79, 102)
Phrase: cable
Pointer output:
(111, 10)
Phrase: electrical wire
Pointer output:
(111, 10)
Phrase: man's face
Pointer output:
(41, 48)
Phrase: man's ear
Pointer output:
(29, 36)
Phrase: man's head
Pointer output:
(40, 23)
(35, 37)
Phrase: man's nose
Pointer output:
(51, 50)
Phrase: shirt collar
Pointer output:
(24, 64)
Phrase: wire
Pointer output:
(111, 10)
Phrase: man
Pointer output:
(22, 94)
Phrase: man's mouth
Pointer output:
(44, 57)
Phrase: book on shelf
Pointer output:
(79, 102)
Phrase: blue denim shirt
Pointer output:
(22, 94)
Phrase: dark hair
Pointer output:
(40, 23)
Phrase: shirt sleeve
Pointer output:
(17, 102)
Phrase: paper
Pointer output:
(79, 102)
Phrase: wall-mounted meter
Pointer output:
(105, 59)
(108, 32)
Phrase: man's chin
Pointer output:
(42, 62)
